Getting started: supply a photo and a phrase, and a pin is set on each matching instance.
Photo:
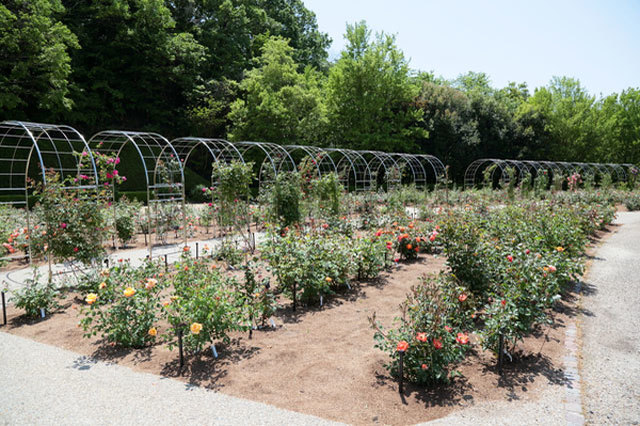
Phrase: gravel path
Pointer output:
(610, 358)
(45, 385)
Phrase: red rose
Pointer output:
(437, 343)
(402, 346)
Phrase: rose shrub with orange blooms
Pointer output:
(429, 317)
(204, 296)
(125, 308)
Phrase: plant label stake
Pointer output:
(4, 310)
(273, 324)
(500, 352)
(180, 348)
(213, 350)
(400, 372)
(320, 300)
(41, 312)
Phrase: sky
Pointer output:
(597, 42)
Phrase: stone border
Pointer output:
(573, 397)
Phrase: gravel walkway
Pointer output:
(610, 361)
(45, 385)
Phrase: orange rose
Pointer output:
(91, 297)
(128, 292)
(402, 346)
(409, 246)
(102, 285)
(151, 283)
(328, 279)
(196, 328)
(153, 332)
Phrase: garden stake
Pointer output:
(294, 297)
(166, 264)
(106, 262)
(4, 310)
(400, 385)
(196, 250)
(500, 351)
(180, 349)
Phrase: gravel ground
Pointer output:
(610, 361)
(45, 385)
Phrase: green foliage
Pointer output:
(34, 59)
(36, 295)
(126, 305)
(369, 92)
(429, 325)
(285, 197)
(281, 103)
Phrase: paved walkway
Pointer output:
(45, 385)
(610, 362)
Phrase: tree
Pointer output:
(281, 104)
(370, 94)
(34, 59)
(133, 69)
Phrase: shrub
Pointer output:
(36, 295)
(632, 203)
(126, 306)
(427, 325)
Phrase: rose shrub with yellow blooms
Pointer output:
(126, 308)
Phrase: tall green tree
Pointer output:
(370, 94)
(133, 69)
(281, 104)
(34, 60)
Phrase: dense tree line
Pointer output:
(258, 70)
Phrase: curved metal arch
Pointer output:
(470, 174)
(415, 166)
(59, 148)
(618, 169)
(219, 149)
(353, 164)
(383, 160)
(321, 159)
(439, 171)
(154, 151)
(277, 157)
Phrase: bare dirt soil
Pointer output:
(321, 360)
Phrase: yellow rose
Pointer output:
(196, 328)
(328, 279)
(91, 297)
(104, 272)
(153, 332)
(102, 285)
(128, 292)
(560, 249)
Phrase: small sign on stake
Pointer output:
(41, 312)
(320, 300)
(213, 350)
(273, 324)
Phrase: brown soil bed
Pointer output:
(321, 361)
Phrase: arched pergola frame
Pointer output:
(54, 148)
(383, 161)
(276, 160)
(471, 173)
(320, 158)
(157, 157)
(351, 164)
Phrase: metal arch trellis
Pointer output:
(470, 174)
(321, 159)
(163, 172)
(276, 160)
(415, 166)
(351, 163)
(439, 171)
(384, 161)
(59, 148)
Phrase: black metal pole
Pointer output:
(400, 372)
(4, 310)
(106, 262)
(166, 264)
(180, 348)
(500, 352)
(197, 250)
(294, 296)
